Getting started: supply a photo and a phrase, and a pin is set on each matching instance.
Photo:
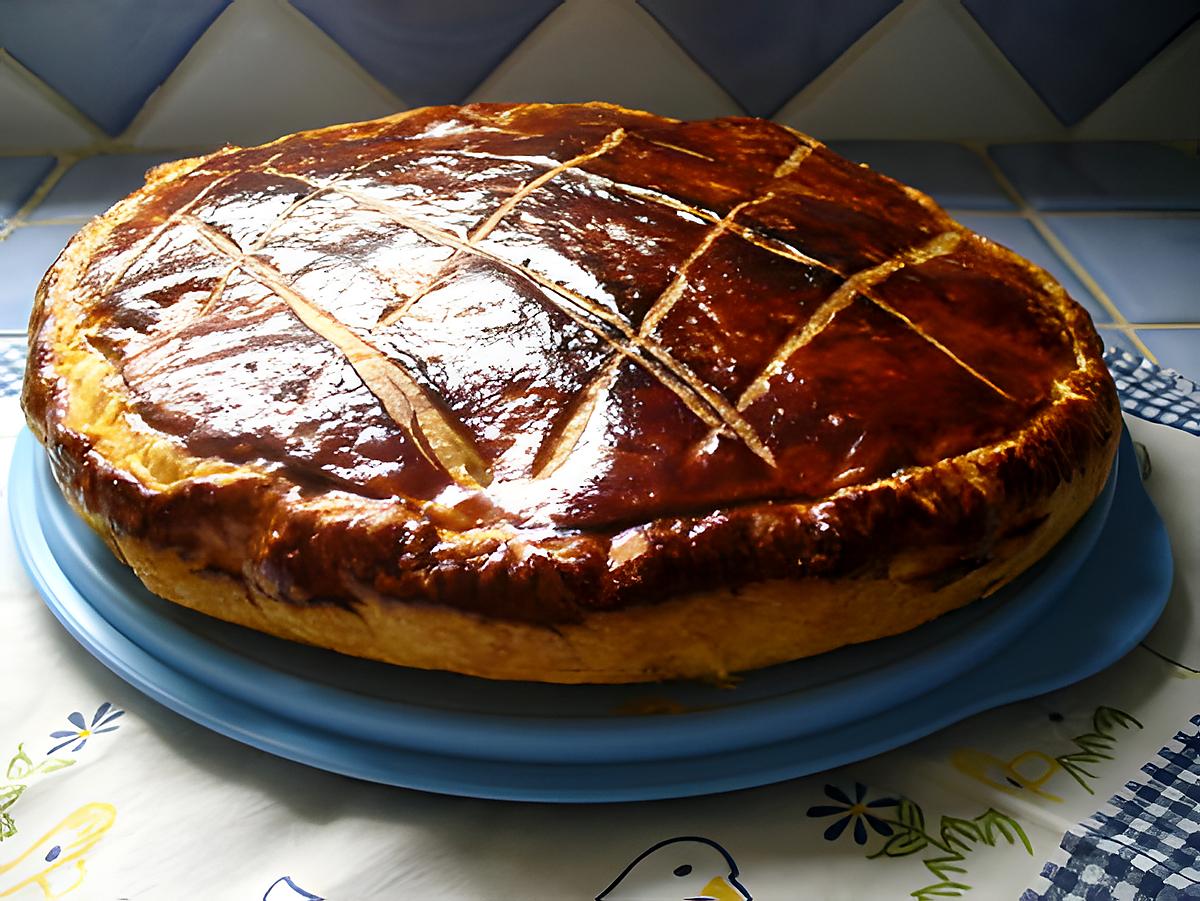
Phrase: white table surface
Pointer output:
(160, 808)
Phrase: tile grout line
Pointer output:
(1047, 235)
(62, 163)
(53, 220)
(108, 148)
(64, 160)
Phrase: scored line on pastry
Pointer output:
(387, 317)
(441, 438)
(722, 416)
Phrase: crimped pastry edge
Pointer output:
(742, 626)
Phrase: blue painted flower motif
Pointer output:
(83, 730)
(855, 811)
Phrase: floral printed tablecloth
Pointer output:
(1089, 792)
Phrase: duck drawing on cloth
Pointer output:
(55, 862)
(686, 868)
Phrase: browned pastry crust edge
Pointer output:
(788, 579)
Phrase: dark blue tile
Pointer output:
(1176, 348)
(25, 255)
(105, 57)
(950, 173)
(427, 53)
(1077, 53)
(1113, 175)
(761, 51)
(19, 176)
(1019, 235)
(1148, 265)
(94, 184)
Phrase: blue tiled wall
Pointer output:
(92, 94)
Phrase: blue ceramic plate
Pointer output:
(449, 714)
(1107, 608)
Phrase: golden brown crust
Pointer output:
(774, 547)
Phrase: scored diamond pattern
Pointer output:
(441, 436)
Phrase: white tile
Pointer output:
(926, 71)
(1159, 103)
(262, 70)
(606, 50)
(30, 120)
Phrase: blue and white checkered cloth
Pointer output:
(1146, 843)
(12, 365)
(1159, 395)
(1148, 847)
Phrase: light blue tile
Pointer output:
(949, 173)
(25, 255)
(94, 184)
(1102, 176)
(19, 176)
(1176, 348)
(1148, 265)
(1019, 235)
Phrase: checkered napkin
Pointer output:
(1159, 395)
(1146, 843)
(1148, 846)
(12, 365)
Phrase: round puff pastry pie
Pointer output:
(565, 393)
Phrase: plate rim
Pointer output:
(477, 779)
(547, 739)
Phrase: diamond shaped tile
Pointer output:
(262, 70)
(92, 185)
(569, 58)
(19, 176)
(1156, 104)
(1019, 235)
(1148, 265)
(1077, 53)
(33, 122)
(427, 52)
(763, 52)
(25, 255)
(950, 173)
(106, 58)
(1108, 175)
(920, 76)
